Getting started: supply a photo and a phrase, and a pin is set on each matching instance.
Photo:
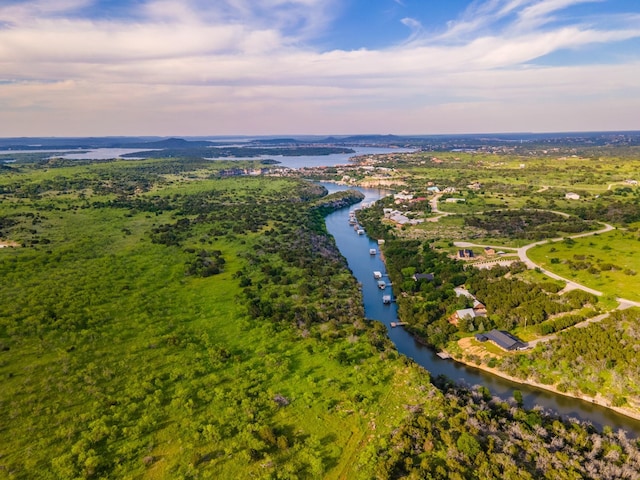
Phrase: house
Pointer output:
(433, 189)
(403, 196)
(423, 276)
(572, 196)
(479, 308)
(489, 251)
(399, 218)
(503, 339)
(466, 313)
(466, 253)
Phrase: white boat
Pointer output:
(377, 274)
(372, 251)
(386, 299)
(382, 284)
(360, 231)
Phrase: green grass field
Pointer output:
(609, 262)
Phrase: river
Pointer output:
(355, 249)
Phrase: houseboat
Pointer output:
(372, 251)
(382, 284)
(377, 275)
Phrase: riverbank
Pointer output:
(597, 400)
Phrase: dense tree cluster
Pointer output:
(602, 357)
(472, 436)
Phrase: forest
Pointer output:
(158, 320)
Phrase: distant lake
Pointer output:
(103, 153)
(321, 160)
(289, 162)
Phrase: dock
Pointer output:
(398, 324)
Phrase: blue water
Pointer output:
(355, 248)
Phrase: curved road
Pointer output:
(522, 253)
(570, 284)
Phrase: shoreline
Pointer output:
(597, 400)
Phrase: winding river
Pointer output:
(355, 249)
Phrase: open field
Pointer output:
(609, 262)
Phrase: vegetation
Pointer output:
(172, 318)
(597, 261)
(600, 359)
(192, 327)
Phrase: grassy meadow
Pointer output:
(118, 363)
(609, 262)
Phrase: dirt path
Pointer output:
(6, 244)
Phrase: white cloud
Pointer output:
(242, 66)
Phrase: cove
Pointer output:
(355, 248)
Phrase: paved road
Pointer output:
(570, 284)
(522, 253)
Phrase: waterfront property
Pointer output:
(503, 339)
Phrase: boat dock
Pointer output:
(398, 324)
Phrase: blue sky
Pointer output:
(205, 67)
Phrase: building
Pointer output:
(466, 313)
(489, 251)
(503, 339)
(572, 196)
(423, 276)
(466, 253)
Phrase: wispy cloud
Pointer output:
(250, 66)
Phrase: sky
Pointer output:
(287, 67)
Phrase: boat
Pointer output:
(382, 284)
(377, 274)
(360, 231)
(386, 299)
(372, 251)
